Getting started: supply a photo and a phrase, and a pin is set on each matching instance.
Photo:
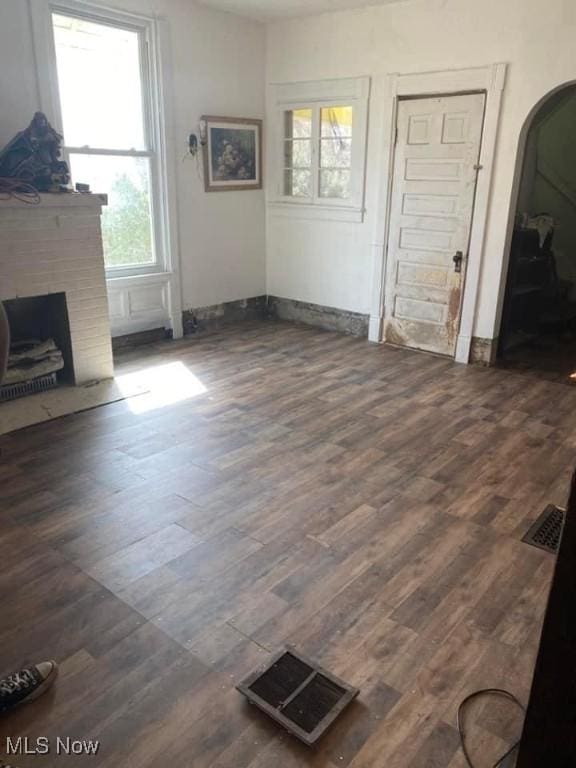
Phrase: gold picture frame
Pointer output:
(232, 153)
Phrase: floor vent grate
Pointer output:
(32, 387)
(298, 694)
(547, 530)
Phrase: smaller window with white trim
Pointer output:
(323, 135)
(335, 156)
(318, 152)
(298, 153)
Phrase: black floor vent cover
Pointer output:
(298, 694)
(547, 530)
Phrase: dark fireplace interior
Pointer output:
(42, 318)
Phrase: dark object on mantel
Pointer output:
(33, 157)
(549, 736)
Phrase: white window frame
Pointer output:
(349, 92)
(152, 108)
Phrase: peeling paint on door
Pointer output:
(430, 219)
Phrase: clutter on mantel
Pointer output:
(32, 160)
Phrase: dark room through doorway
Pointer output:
(538, 330)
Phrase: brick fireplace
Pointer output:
(55, 247)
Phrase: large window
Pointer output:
(105, 94)
(320, 167)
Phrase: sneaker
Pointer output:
(26, 685)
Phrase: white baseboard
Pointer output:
(375, 329)
(463, 349)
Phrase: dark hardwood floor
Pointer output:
(548, 357)
(363, 503)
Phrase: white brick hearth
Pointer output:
(56, 247)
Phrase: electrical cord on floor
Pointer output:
(460, 721)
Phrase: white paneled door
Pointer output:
(435, 172)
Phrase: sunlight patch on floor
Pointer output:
(159, 386)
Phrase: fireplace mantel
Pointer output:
(55, 200)
(56, 247)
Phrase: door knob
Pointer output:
(458, 258)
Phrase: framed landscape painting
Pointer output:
(232, 154)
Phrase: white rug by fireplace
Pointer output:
(63, 401)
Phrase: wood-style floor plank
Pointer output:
(363, 503)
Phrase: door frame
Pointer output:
(521, 149)
(489, 80)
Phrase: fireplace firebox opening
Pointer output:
(40, 344)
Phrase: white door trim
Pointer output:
(491, 80)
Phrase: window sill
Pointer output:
(138, 277)
(317, 212)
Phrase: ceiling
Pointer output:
(269, 10)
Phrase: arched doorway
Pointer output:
(538, 327)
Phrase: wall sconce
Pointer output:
(193, 144)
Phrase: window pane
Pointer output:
(298, 153)
(298, 124)
(298, 183)
(336, 122)
(100, 84)
(335, 153)
(335, 184)
(126, 220)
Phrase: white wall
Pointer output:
(332, 265)
(218, 68)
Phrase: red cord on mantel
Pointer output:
(19, 190)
